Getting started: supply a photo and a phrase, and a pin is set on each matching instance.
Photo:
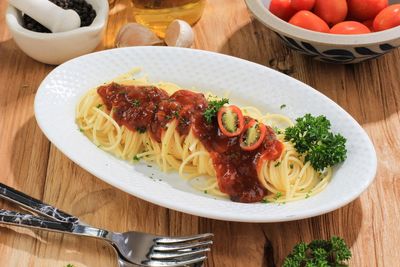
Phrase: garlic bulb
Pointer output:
(134, 34)
(179, 33)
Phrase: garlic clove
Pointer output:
(135, 34)
(179, 33)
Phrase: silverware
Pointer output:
(48, 211)
(132, 247)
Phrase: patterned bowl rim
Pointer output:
(262, 13)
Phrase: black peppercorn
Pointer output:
(83, 8)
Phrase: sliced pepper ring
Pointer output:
(230, 120)
(253, 135)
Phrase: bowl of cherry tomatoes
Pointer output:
(334, 31)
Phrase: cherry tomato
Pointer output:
(274, 151)
(365, 9)
(332, 11)
(230, 121)
(387, 18)
(282, 9)
(369, 23)
(349, 27)
(308, 20)
(253, 135)
(302, 4)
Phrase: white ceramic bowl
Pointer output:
(56, 48)
(333, 48)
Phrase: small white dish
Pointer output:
(248, 83)
(56, 48)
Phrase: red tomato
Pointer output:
(349, 27)
(236, 118)
(274, 151)
(369, 23)
(365, 9)
(282, 9)
(387, 18)
(308, 20)
(332, 11)
(259, 131)
(302, 4)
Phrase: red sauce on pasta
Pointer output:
(147, 108)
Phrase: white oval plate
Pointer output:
(249, 84)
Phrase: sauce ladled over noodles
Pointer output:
(148, 108)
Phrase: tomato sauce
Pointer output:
(148, 108)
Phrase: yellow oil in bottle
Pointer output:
(158, 14)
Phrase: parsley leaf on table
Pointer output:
(319, 253)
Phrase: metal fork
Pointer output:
(53, 213)
(133, 247)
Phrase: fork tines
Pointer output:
(178, 251)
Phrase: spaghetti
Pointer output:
(160, 123)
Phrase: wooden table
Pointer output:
(368, 91)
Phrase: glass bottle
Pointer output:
(158, 14)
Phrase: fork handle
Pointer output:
(35, 205)
(28, 220)
(31, 221)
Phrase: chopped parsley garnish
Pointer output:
(307, 195)
(141, 130)
(264, 200)
(135, 103)
(291, 166)
(277, 130)
(175, 113)
(319, 253)
(136, 158)
(312, 137)
(283, 106)
(277, 164)
(205, 192)
(213, 107)
(99, 105)
(278, 195)
(81, 130)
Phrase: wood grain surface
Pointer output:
(369, 91)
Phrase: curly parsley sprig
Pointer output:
(312, 137)
(213, 107)
(319, 253)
